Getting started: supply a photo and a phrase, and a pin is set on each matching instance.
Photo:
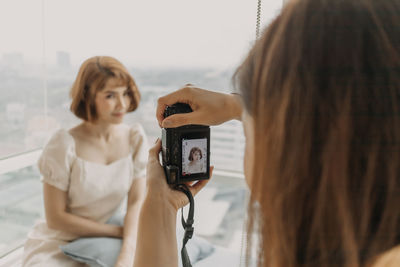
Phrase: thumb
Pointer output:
(155, 151)
(200, 184)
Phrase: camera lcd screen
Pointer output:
(194, 156)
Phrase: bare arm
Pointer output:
(209, 108)
(57, 217)
(156, 241)
(135, 200)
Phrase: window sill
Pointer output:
(19, 161)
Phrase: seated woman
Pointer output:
(196, 164)
(90, 169)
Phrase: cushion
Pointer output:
(96, 251)
(104, 251)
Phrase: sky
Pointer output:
(156, 33)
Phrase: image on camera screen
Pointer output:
(194, 156)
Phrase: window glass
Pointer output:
(21, 77)
(44, 43)
(164, 45)
(21, 205)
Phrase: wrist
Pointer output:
(235, 106)
(116, 231)
(156, 201)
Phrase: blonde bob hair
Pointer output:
(92, 77)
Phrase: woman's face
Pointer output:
(112, 103)
(196, 155)
(248, 127)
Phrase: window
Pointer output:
(21, 77)
(164, 44)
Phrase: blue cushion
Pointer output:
(104, 251)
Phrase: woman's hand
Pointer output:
(58, 218)
(156, 241)
(118, 230)
(209, 108)
(157, 183)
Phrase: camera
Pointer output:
(185, 149)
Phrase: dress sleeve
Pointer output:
(56, 160)
(140, 151)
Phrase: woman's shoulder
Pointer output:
(135, 128)
(56, 160)
(390, 258)
(136, 133)
(61, 138)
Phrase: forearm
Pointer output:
(128, 248)
(156, 242)
(82, 226)
(131, 227)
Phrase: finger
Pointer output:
(165, 101)
(189, 184)
(160, 112)
(177, 120)
(194, 189)
(181, 119)
(155, 150)
(182, 95)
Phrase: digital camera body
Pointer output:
(185, 149)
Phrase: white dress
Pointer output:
(95, 191)
(195, 167)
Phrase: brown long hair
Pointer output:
(323, 87)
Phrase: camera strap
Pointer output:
(187, 225)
